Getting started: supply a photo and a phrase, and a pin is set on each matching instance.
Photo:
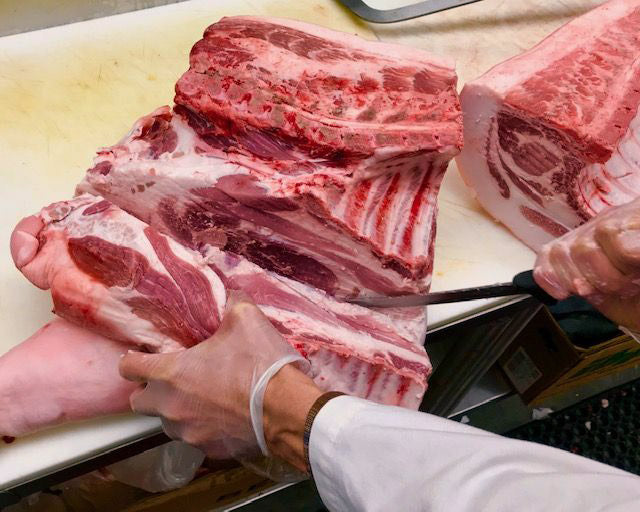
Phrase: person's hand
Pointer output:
(211, 396)
(599, 261)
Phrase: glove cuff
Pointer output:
(256, 402)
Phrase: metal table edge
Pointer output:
(14, 493)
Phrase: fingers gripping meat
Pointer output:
(113, 274)
(600, 261)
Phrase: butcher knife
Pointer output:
(404, 12)
(522, 284)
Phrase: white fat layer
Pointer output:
(480, 105)
(234, 267)
(333, 372)
(391, 51)
(139, 185)
(599, 185)
(412, 330)
(362, 345)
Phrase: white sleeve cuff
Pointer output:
(324, 442)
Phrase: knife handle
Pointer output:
(525, 282)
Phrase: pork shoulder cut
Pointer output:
(299, 165)
(375, 237)
(113, 274)
(552, 136)
(312, 153)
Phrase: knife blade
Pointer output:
(522, 284)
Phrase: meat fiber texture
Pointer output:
(299, 165)
(113, 274)
(552, 136)
(375, 238)
(318, 104)
(325, 170)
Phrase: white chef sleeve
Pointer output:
(370, 457)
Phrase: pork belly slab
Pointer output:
(112, 274)
(552, 136)
(312, 153)
(374, 237)
(307, 101)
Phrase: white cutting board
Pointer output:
(64, 92)
(67, 90)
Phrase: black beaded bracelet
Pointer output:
(320, 402)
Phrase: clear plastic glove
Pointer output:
(211, 396)
(160, 469)
(599, 261)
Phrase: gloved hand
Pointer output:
(599, 261)
(211, 396)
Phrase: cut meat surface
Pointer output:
(299, 165)
(61, 373)
(115, 275)
(374, 237)
(305, 100)
(351, 349)
(111, 273)
(552, 136)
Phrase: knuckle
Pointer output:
(606, 229)
(241, 310)
(169, 373)
(192, 437)
(166, 370)
(582, 247)
(628, 255)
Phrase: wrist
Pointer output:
(288, 398)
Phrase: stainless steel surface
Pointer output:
(25, 15)
(446, 297)
(492, 386)
(476, 317)
(95, 461)
(475, 353)
(259, 499)
(507, 412)
(403, 13)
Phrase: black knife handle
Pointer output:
(525, 282)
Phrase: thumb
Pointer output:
(142, 367)
(240, 311)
